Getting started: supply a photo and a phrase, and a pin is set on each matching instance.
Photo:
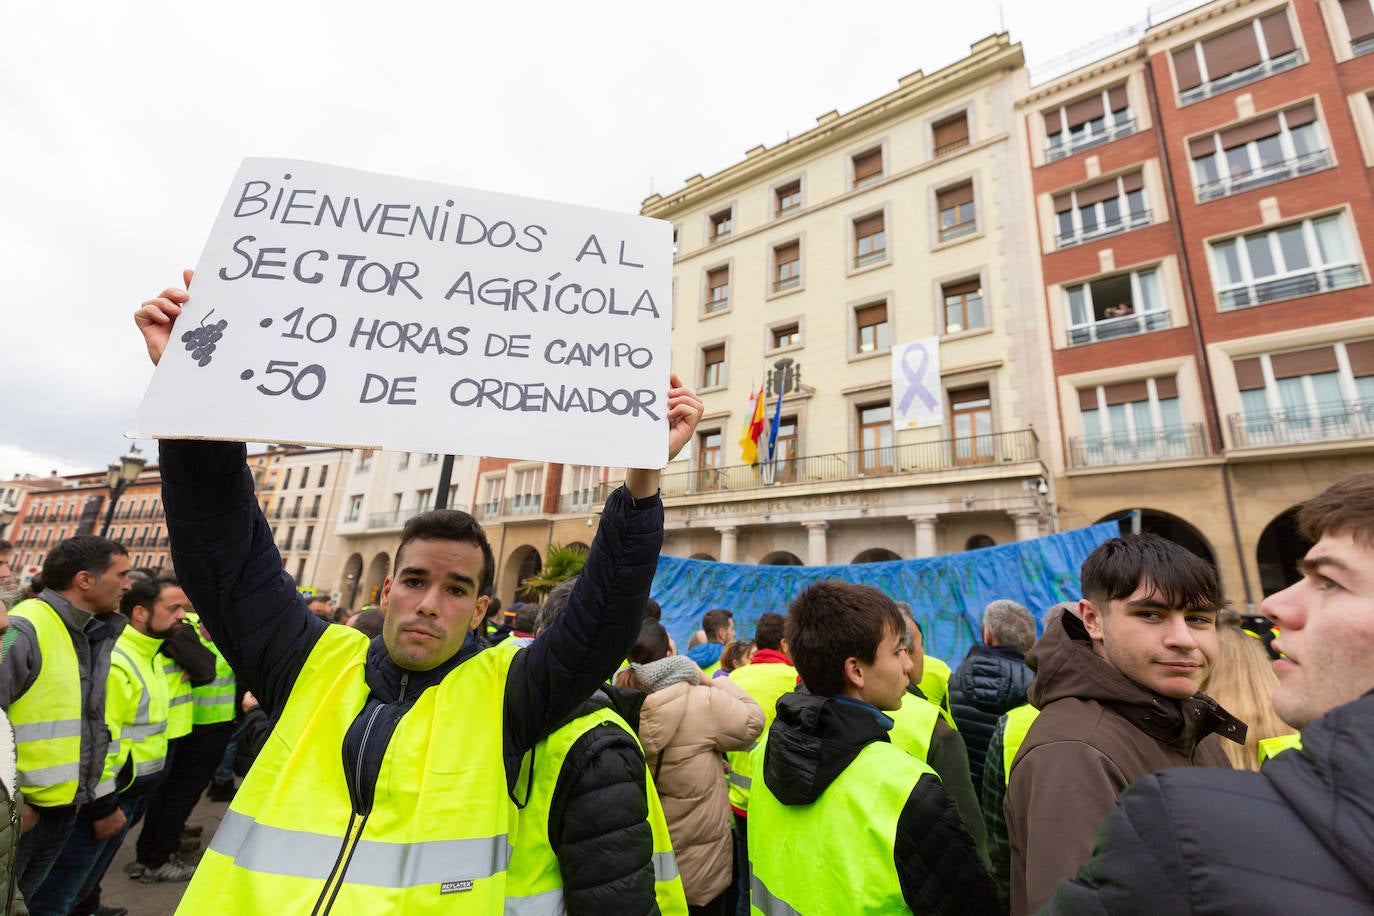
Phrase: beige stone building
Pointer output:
(299, 491)
(800, 267)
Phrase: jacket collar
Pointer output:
(139, 644)
(384, 675)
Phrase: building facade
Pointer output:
(800, 268)
(1203, 206)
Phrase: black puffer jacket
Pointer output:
(1297, 837)
(989, 681)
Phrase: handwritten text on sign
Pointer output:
(339, 307)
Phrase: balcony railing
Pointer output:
(891, 461)
(1328, 421)
(1065, 148)
(1167, 444)
(1123, 223)
(1307, 283)
(578, 500)
(1362, 45)
(525, 504)
(488, 510)
(1125, 326)
(1264, 175)
(1240, 78)
(950, 147)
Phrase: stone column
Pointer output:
(727, 543)
(925, 535)
(816, 554)
(1027, 523)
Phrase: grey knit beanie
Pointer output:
(666, 672)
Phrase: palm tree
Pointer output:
(560, 563)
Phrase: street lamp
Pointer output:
(118, 479)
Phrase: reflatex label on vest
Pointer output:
(455, 887)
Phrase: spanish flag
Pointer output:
(749, 438)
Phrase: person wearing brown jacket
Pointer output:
(1117, 689)
(688, 721)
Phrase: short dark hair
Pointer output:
(369, 621)
(768, 632)
(553, 604)
(143, 593)
(651, 645)
(84, 553)
(1342, 508)
(6, 546)
(715, 620)
(652, 611)
(320, 597)
(525, 617)
(1176, 576)
(832, 621)
(450, 525)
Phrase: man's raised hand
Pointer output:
(156, 316)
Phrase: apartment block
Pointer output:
(1203, 211)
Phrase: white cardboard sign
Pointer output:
(916, 398)
(337, 307)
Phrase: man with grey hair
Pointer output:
(992, 678)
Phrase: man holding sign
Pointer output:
(389, 783)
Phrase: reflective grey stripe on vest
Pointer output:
(225, 681)
(740, 782)
(549, 903)
(213, 700)
(665, 866)
(50, 776)
(139, 732)
(47, 731)
(105, 787)
(761, 897)
(145, 767)
(177, 701)
(141, 717)
(302, 854)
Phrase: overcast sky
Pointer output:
(123, 125)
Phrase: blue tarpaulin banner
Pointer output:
(947, 593)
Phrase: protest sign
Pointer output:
(337, 307)
(916, 384)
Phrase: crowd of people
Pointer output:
(435, 754)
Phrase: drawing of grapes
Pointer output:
(201, 341)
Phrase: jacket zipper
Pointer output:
(351, 836)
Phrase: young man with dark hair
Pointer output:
(1298, 836)
(767, 677)
(1117, 689)
(719, 626)
(52, 684)
(840, 820)
(405, 750)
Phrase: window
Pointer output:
(364, 460)
(957, 216)
(870, 240)
(324, 475)
(1117, 306)
(1359, 21)
(1103, 208)
(787, 198)
(871, 329)
(305, 478)
(452, 501)
(713, 366)
(1300, 259)
(583, 481)
(1132, 421)
(950, 135)
(868, 167)
(403, 462)
(970, 413)
(300, 570)
(963, 306)
(315, 507)
(1305, 395)
(309, 535)
(786, 267)
(718, 289)
(1238, 56)
(396, 500)
(785, 452)
(286, 484)
(675, 240)
(355, 508)
(722, 222)
(493, 488)
(1087, 122)
(429, 458)
(708, 459)
(1258, 153)
(786, 335)
(875, 438)
(290, 535)
(423, 500)
(296, 509)
(528, 490)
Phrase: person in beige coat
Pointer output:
(687, 723)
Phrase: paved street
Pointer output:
(155, 899)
